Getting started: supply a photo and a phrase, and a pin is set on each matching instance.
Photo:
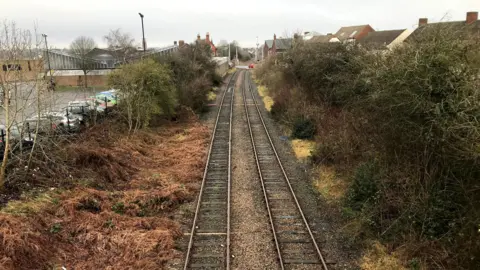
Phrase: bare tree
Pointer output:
(80, 47)
(20, 84)
(122, 45)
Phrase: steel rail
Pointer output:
(199, 201)
(292, 192)
(261, 176)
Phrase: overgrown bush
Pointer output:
(146, 89)
(194, 74)
(365, 186)
(414, 110)
(303, 129)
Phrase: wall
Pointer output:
(92, 80)
(364, 32)
(29, 70)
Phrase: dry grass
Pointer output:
(127, 225)
(332, 186)
(267, 100)
(377, 258)
(303, 148)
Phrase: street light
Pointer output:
(48, 58)
(143, 34)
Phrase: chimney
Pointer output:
(175, 43)
(198, 36)
(422, 21)
(181, 43)
(274, 36)
(207, 39)
(472, 17)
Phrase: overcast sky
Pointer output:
(166, 21)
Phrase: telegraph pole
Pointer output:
(143, 35)
(236, 54)
(256, 51)
(48, 58)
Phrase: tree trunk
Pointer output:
(6, 143)
(85, 75)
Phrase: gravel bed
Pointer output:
(252, 242)
(337, 251)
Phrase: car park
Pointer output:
(49, 122)
(17, 136)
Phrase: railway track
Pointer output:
(209, 244)
(295, 244)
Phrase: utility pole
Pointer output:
(48, 59)
(236, 54)
(143, 35)
(256, 51)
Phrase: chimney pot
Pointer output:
(422, 21)
(472, 17)
(275, 36)
(181, 43)
(207, 38)
(198, 36)
(175, 42)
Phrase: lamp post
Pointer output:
(48, 58)
(143, 34)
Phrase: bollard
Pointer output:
(68, 121)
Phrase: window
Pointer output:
(29, 66)
(11, 67)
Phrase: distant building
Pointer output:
(209, 42)
(310, 34)
(470, 26)
(353, 33)
(275, 46)
(383, 40)
(328, 38)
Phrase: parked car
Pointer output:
(17, 137)
(251, 65)
(53, 122)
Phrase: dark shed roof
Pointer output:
(380, 39)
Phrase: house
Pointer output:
(353, 33)
(275, 46)
(382, 40)
(209, 42)
(328, 38)
(310, 34)
(471, 26)
(281, 45)
(267, 48)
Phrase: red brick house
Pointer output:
(208, 41)
(352, 33)
(274, 46)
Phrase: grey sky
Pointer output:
(166, 21)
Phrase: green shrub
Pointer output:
(365, 186)
(303, 129)
(146, 89)
(193, 74)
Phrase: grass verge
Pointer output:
(126, 223)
